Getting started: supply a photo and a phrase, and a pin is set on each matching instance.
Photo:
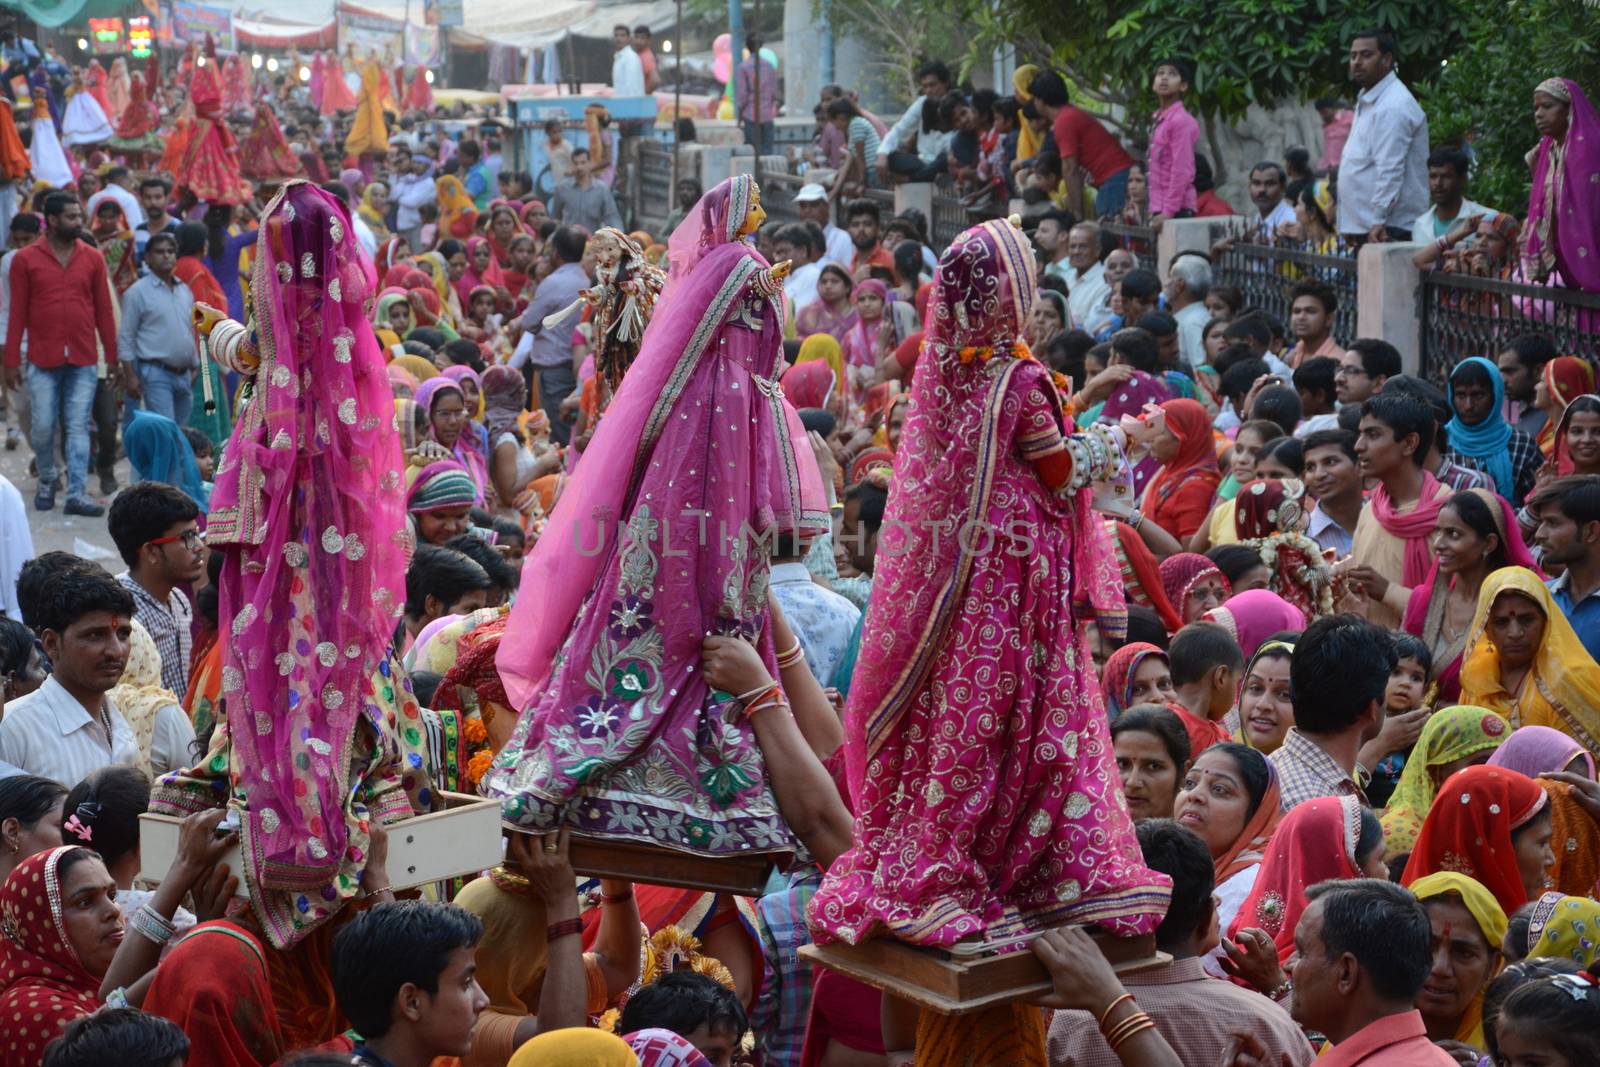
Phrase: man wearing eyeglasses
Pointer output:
(155, 527)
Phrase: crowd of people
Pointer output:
(1269, 649)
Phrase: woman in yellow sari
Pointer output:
(438, 271)
(1453, 739)
(1524, 661)
(1028, 141)
(458, 214)
(1469, 922)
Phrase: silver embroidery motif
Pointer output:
(332, 542)
(308, 265)
(347, 411)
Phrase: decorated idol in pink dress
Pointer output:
(987, 799)
(308, 514)
(662, 537)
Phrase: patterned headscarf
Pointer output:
(1469, 827)
(43, 984)
(1182, 572)
(1565, 928)
(441, 485)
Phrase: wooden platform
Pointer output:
(936, 980)
(640, 861)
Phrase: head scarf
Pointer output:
(1196, 459)
(1316, 841)
(1180, 573)
(465, 449)
(492, 275)
(1116, 678)
(1491, 922)
(458, 212)
(808, 385)
(1561, 455)
(663, 1048)
(1468, 830)
(868, 461)
(160, 452)
(214, 984)
(824, 347)
(1250, 847)
(577, 1046)
(1574, 840)
(1536, 750)
(504, 395)
(1450, 734)
(1565, 379)
(380, 311)
(1563, 177)
(1487, 441)
(369, 213)
(440, 486)
(400, 378)
(1563, 688)
(43, 986)
(421, 369)
(460, 373)
(139, 694)
(1565, 928)
(1255, 615)
(388, 255)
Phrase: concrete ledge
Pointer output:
(915, 194)
(1389, 299)
(1188, 235)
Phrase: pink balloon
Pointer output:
(722, 45)
(722, 67)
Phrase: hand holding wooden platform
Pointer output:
(969, 978)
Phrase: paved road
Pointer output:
(51, 529)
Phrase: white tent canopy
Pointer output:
(511, 22)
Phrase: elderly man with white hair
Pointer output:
(1188, 280)
(1086, 280)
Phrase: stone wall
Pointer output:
(1259, 135)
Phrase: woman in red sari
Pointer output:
(59, 917)
(482, 269)
(1178, 498)
(214, 984)
(504, 227)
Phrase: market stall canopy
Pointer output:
(52, 13)
(249, 33)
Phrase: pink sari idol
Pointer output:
(662, 537)
(308, 513)
(987, 801)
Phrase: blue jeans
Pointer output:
(1110, 198)
(162, 390)
(760, 136)
(64, 393)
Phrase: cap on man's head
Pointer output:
(809, 192)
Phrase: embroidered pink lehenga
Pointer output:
(661, 537)
(309, 517)
(987, 800)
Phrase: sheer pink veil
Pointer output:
(309, 514)
(1564, 194)
(564, 564)
(1516, 550)
(957, 431)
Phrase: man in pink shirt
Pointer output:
(1336, 122)
(1172, 139)
(647, 58)
(1364, 948)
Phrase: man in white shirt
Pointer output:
(794, 243)
(1050, 235)
(1188, 281)
(919, 124)
(1383, 173)
(811, 204)
(1267, 182)
(68, 727)
(1447, 188)
(627, 73)
(410, 192)
(1086, 281)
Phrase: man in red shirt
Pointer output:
(647, 58)
(60, 300)
(1083, 145)
(865, 220)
